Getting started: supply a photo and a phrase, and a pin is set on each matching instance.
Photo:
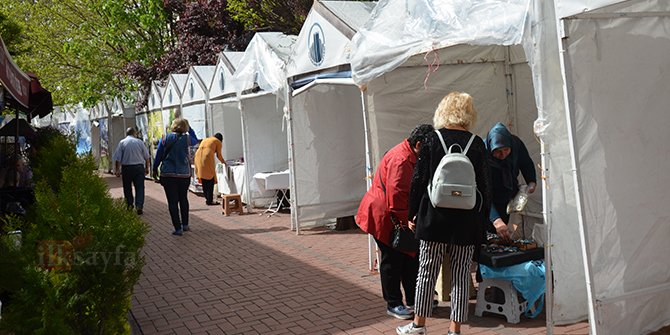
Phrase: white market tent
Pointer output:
(224, 106)
(226, 118)
(116, 127)
(260, 83)
(125, 109)
(326, 123)
(606, 227)
(194, 98)
(171, 102)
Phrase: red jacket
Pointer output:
(395, 171)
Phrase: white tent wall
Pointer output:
(264, 141)
(616, 61)
(227, 120)
(327, 132)
(329, 151)
(566, 288)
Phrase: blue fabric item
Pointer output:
(304, 81)
(528, 278)
(194, 139)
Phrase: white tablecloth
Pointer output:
(272, 180)
(235, 184)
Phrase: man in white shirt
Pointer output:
(131, 159)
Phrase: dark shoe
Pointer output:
(401, 312)
(215, 203)
(178, 232)
(185, 228)
(139, 211)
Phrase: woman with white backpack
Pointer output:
(446, 221)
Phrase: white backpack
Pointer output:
(454, 183)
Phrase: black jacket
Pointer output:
(454, 226)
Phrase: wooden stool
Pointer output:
(232, 203)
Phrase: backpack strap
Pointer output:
(444, 146)
(472, 138)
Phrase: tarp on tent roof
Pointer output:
(264, 62)
(383, 44)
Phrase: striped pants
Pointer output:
(431, 255)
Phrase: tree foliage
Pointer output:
(78, 47)
(86, 50)
(10, 31)
(286, 16)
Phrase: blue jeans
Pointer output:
(176, 192)
(133, 175)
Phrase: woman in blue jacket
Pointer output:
(174, 161)
(507, 156)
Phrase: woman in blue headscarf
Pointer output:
(507, 156)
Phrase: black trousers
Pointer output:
(176, 192)
(208, 190)
(397, 269)
(133, 175)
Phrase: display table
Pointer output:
(500, 259)
(278, 181)
(231, 180)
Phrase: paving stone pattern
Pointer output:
(251, 274)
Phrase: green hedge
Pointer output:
(80, 257)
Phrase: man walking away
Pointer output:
(205, 168)
(132, 162)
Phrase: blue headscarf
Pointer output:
(500, 137)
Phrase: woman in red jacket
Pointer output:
(389, 196)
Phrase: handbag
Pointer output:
(402, 238)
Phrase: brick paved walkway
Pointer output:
(251, 275)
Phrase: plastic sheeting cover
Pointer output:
(264, 62)
(383, 44)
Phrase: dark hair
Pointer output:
(130, 131)
(219, 136)
(419, 134)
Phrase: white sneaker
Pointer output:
(411, 329)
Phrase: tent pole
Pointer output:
(571, 128)
(549, 273)
(372, 246)
(245, 153)
(288, 118)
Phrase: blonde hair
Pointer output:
(455, 109)
(179, 125)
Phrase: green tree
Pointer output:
(10, 31)
(285, 16)
(79, 47)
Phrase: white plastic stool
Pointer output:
(511, 308)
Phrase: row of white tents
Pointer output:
(583, 82)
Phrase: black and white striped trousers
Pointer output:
(431, 255)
